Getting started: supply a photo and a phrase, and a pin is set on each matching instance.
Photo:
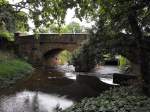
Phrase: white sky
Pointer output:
(68, 19)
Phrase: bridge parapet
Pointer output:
(63, 38)
(53, 38)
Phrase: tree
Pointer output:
(75, 28)
(6, 16)
(14, 21)
(70, 28)
(21, 21)
(122, 23)
(44, 12)
(121, 20)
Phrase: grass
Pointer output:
(12, 69)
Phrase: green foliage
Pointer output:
(12, 70)
(120, 25)
(85, 58)
(114, 31)
(70, 28)
(3, 2)
(55, 28)
(51, 11)
(13, 20)
(7, 16)
(7, 35)
(122, 61)
(4, 33)
(74, 28)
(123, 99)
(114, 14)
(21, 21)
(64, 57)
(92, 51)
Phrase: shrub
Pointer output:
(123, 99)
(7, 35)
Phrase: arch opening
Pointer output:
(122, 62)
(114, 59)
(56, 57)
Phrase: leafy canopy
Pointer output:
(73, 27)
(12, 20)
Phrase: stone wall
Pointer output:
(34, 47)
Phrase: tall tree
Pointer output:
(14, 21)
(121, 20)
(72, 27)
(7, 16)
(126, 20)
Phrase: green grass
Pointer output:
(12, 70)
(14, 67)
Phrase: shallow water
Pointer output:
(50, 90)
(28, 101)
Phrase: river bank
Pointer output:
(12, 69)
(122, 99)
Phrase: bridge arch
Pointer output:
(36, 51)
(51, 57)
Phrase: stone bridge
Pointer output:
(37, 49)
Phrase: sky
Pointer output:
(68, 19)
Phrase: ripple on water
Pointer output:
(28, 101)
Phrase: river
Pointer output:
(54, 89)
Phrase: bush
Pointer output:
(123, 99)
(7, 35)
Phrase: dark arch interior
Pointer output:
(56, 57)
(52, 53)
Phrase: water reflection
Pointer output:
(108, 81)
(70, 75)
(107, 70)
(52, 90)
(28, 101)
(66, 68)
